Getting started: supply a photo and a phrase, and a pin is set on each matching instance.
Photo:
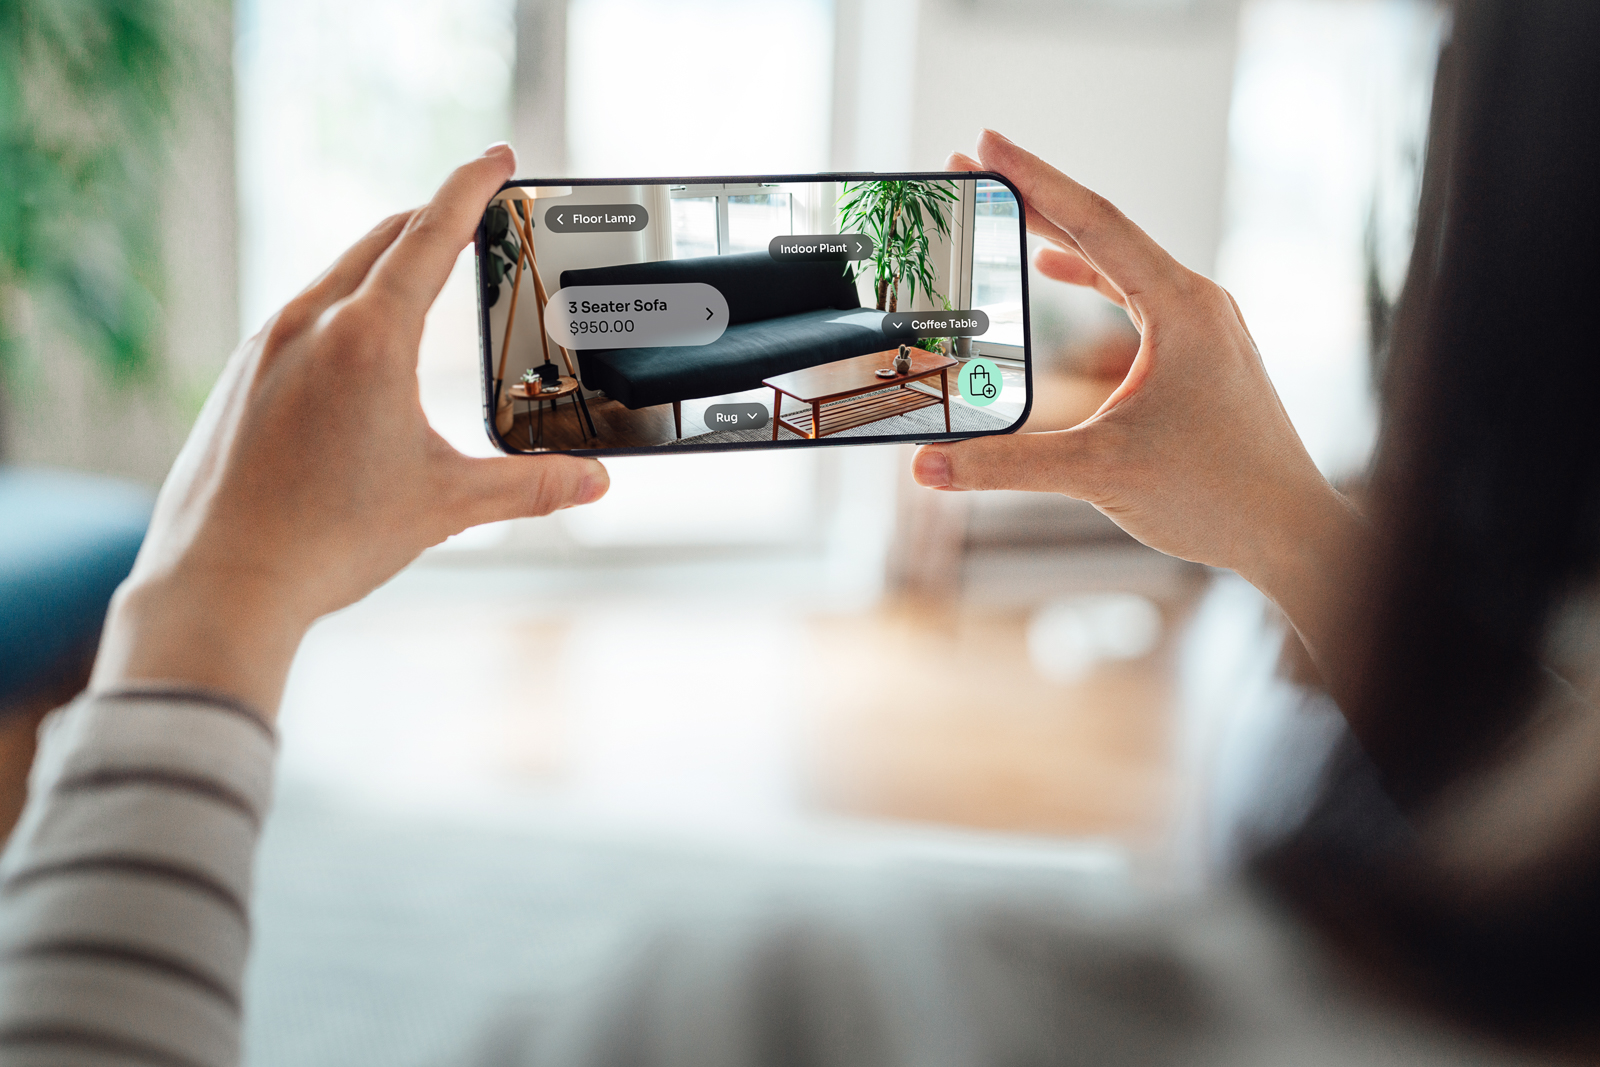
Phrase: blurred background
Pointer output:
(502, 765)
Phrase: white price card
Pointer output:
(670, 315)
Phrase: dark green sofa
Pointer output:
(781, 317)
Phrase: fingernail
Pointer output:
(593, 488)
(997, 133)
(497, 146)
(931, 469)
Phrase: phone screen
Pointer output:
(777, 311)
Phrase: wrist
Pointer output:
(226, 632)
(1309, 566)
(1294, 537)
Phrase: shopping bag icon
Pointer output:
(980, 382)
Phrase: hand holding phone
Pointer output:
(1193, 453)
(312, 476)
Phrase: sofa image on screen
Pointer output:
(781, 317)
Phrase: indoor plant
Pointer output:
(503, 251)
(897, 216)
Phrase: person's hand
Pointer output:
(1193, 454)
(312, 475)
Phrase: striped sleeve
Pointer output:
(124, 890)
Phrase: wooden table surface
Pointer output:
(847, 377)
(520, 391)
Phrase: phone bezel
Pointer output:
(486, 363)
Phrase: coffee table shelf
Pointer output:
(848, 393)
(843, 415)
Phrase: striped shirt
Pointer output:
(125, 888)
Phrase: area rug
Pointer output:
(924, 422)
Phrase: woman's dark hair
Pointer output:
(1486, 499)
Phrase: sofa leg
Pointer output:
(677, 418)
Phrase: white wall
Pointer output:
(539, 88)
(1134, 106)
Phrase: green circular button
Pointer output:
(980, 382)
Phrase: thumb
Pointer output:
(514, 487)
(1057, 462)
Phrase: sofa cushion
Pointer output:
(66, 541)
(734, 362)
(755, 285)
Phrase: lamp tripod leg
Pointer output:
(525, 230)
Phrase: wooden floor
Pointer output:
(936, 714)
(616, 426)
(924, 712)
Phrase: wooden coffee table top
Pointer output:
(849, 376)
(520, 391)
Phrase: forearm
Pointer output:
(124, 912)
(228, 634)
(1311, 562)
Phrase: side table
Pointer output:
(535, 398)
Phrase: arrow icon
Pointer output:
(561, 219)
(708, 314)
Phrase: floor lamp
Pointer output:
(518, 202)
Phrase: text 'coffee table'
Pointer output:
(849, 393)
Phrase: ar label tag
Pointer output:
(596, 218)
(935, 324)
(669, 315)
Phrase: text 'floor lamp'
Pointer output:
(518, 201)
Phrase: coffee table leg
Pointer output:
(944, 388)
(541, 422)
(777, 409)
(816, 420)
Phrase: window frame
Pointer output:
(721, 192)
(964, 267)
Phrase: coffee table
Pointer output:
(848, 394)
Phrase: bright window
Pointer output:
(698, 86)
(754, 219)
(997, 262)
(1325, 144)
(722, 219)
(694, 226)
(348, 112)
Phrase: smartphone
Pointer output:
(773, 311)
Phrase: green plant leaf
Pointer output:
(497, 223)
(85, 104)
